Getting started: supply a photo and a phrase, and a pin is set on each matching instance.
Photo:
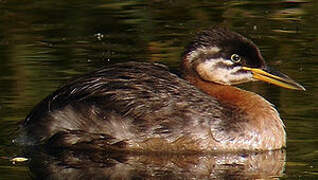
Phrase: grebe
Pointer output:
(143, 107)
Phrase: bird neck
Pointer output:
(255, 106)
(225, 94)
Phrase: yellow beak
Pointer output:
(274, 77)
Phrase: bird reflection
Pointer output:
(71, 164)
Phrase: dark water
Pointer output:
(44, 43)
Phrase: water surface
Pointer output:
(45, 43)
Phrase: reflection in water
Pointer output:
(69, 164)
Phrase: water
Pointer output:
(44, 43)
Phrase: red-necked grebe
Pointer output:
(143, 107)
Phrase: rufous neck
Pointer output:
(223, 93)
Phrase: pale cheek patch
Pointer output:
(211, 71)
(208, 71)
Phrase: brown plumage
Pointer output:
(143, 107)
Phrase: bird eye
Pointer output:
(235, 58)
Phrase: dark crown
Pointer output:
(229, 43)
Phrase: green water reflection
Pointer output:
(44, 43)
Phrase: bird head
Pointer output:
(220, 56)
